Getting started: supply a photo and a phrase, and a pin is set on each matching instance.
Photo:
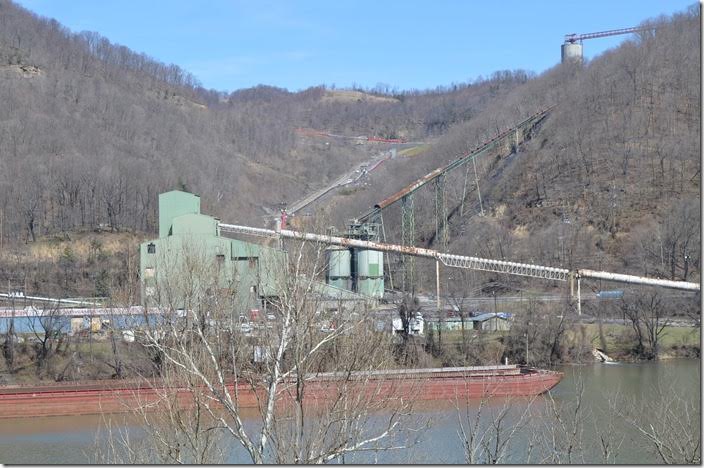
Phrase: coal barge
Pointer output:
(439, 384)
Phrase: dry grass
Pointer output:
(620, 339)
(80, 245)
(414, 151)
(26, 71)
(521, 232)
(350, 96)
(177, 99)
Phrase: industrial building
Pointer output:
(488, 321)
(572, 50)
(190, 258)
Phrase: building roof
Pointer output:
(490, 315)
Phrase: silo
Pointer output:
(370, 273)
(572, 52)
(339, 262)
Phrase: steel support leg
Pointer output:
(437, 283)
(441, 235)
(476, 181)
(579, 296)
(386, 256)
(408, 239)
(464, 190)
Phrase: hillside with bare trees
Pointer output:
(91, 132)
(610, 180)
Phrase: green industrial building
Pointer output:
(190, 258)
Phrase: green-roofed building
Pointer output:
(190, 258)
(190, 254)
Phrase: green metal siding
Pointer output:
(450, 325)
(194, 224)
(246, 283)
(242, 250)
(495, 324)
(339, 271)
(185, 265)
(173, 204)
(373, 269)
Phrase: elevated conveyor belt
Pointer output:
(465, 158)
(461, 261)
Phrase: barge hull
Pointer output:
(124, 397)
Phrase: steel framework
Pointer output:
(523, 126)
(441, 234)
(507, 140)
(572, 38)
(408, 239)
(501, 266)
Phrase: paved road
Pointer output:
(428, 307)
(350, 177)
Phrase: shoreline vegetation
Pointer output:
(90, 357)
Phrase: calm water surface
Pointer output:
(71, 440)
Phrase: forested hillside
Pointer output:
(91, 132)
(94, 131)
(611, 180)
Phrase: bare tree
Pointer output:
(489, 435)
(667, 423)
(647, 316)
(460, 289)
(45, 324)
(314, 391)
(536, 333)
(408, 348)
(563, 435)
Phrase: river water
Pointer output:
(607, 391)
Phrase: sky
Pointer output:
(405, 44)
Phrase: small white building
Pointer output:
(416, 325)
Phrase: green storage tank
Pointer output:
(339, 262)
(370, 273)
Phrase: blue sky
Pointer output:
(230, 44)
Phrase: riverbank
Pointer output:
(90, 357)
(620, 342)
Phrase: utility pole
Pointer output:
(528, 325)
(579, 296)
(437, 283)
(11, 333)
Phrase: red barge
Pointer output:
(448, 384)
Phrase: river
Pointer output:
(71, 440)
